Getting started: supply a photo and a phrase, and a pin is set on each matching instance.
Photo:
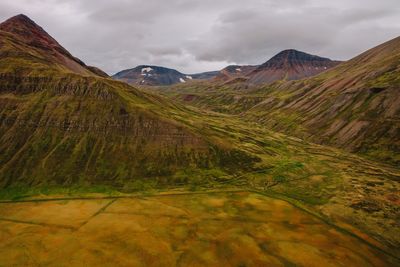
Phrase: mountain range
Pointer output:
(322, 134)
(158, 76)
(353, 105)
(286, 65)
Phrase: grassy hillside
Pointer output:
(354, 106)
(61, 124)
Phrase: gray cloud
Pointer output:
(194, 36)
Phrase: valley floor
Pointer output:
(231, 228)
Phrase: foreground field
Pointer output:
(209, 229)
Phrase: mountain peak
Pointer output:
(293, 56)
(31, 33)
(290, 64)
(26, 33)
(20, 24)
(19, 19)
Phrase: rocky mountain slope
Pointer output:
(61, 123)
(355, 106)
(290, 65)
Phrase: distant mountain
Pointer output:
(205, 75)
(287, 65)
(158, 76)
(151, 75)
(290, 65)
(234, 71)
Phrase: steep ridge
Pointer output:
(62, 124)
(355, 106)
(290, 65)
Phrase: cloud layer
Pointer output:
(194, 36)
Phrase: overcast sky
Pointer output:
(201, 35)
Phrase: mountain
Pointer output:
(233, 72)
(22, 40)
(287, 65)
(62, 124)
(151, 75)
(355, 106)
(204, 75)
(290, 65)
(159, 76)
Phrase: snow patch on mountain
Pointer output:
(147, 69)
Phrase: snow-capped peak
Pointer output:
(147, 69)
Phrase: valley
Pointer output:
(294, 162)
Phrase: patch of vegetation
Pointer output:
(21, 192)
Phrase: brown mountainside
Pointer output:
(30, 41)
(355, 105)
(290, 65)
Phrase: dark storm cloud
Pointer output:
(193, 35)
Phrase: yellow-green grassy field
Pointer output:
(215, 229)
